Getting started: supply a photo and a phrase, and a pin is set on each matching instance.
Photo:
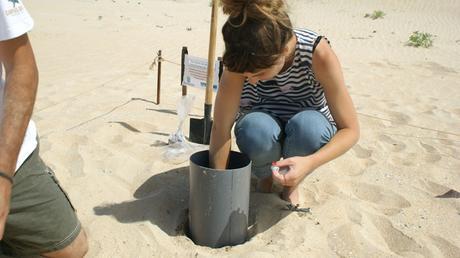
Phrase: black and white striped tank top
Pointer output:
(292, 91)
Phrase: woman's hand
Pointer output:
(298, 169)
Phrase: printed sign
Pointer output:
(196, 70)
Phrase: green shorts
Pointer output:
(41, 217)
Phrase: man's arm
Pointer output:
(18, 101)
(19, 97)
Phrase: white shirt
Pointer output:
(14, 22)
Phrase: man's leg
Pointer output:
(42, 219)
(78, 248)
(257, 135)
(306, 132)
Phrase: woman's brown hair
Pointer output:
(255, 33)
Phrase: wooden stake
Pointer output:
(182, 70)
(211, 53)
(159, 77)
(210, 79)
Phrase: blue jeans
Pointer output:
(265, 139)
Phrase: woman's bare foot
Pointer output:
(265, 185)
(291, 194)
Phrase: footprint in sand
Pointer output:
(348, 241)
(361, 152)
(408, 159)
(377, 64)
(428, 147)
(396, 240)
(355, 216)
(331, 189)
(398, 117)
(76, 162)
(438, 68)
(392, 65)
(387, 200)
(447, 142)
(432, 154)
(364, 154)
(311, 196)
(448, 249)
(392, 144)
(433, 188)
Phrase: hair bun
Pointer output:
(252, 8)
(234, 8)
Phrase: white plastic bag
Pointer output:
(179, 149)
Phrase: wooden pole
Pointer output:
(182, 70)
(210, 79)
(159, 77)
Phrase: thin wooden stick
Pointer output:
(159, 77)
(210, 79)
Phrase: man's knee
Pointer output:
(77, 249)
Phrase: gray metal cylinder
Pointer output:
(219, 200)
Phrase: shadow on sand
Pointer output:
(163, 200)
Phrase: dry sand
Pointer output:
(103, 135)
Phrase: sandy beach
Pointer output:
(395, 194)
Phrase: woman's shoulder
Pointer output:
(305, 35)
(307, 40)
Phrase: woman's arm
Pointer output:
(328, 72)
(225, 110)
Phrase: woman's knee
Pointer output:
(257, 133)
(307, 132)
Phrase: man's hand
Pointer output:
(298, 169)
(5, 194)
